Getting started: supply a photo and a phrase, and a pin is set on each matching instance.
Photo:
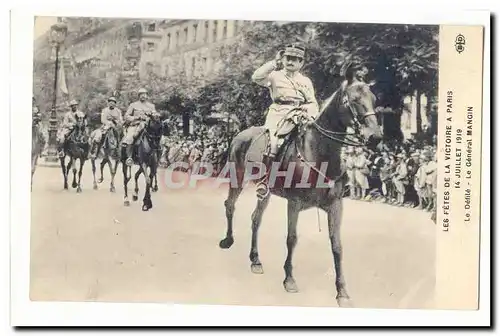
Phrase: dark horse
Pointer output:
(316, 142)
(146, 155)
(110, 146)
(77, 148)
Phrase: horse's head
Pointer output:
(353, 104)
(154, 125)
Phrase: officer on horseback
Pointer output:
(290, 91)
(68, 125)
(111, 118)
(135, 121)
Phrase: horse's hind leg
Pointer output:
(80, 171)
(256, 265)
(229, 204)
(155, 183)
(65, 173)
(135, 196)
(92, 162)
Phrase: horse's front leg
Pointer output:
(73, 169)
(146, 201)
(65, 172)
(126, 179)
(103, 163)
(334, 224)
(92, 162)
(293, 209)
(112, 170)
(256, 265)
(135, 196)
(80, 171)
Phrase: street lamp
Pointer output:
(58, 33)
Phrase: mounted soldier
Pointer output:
(68, 125)
(290, 91)
(111, 119)
(135, 118)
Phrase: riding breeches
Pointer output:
(131, 133)
(98, 134)
(273, 119)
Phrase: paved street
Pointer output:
(89, 246)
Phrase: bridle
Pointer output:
(358, 140)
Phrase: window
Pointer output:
(214, 32)
(206, 32)
(150, 46)
(186, 35)
(152, 27)
(224, 29)
(176, 38)
(193, 66)
(195, 28)
(149, 68)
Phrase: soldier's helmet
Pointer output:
(73, 103)
(142, 90)
(113, 99)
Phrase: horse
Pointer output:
(77, 148)
(145, 154)
(318, 141)
(37, 144)
(110, 150)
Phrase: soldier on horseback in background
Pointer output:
(135, 119)
(290, 91)
(111, 118)
(68, 125)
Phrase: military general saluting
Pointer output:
(135, 118)
(290, 90)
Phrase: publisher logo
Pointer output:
(460, 43)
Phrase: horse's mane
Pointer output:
(335, 99)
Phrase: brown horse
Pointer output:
(37, 143)
(352, 105)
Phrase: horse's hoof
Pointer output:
(79, 190)
(146, 207)
(344, 302)
(126, 203)
(226, 243)
(95, 186)
(100, 180)
(154, 189)
(74, 185)
(112, 189)
(257, 269)
(290, 286)
(135, 198)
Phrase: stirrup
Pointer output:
(262, 190)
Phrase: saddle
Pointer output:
(288, 130)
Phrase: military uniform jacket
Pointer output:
(111, 117)
(286, 91)
(69, 120)
(137, 109)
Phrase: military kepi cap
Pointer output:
(295, 50)
(113, 99)
(73, 103)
